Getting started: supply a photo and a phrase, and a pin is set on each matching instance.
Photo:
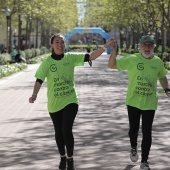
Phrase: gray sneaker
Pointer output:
(144, 166)
(134, 154)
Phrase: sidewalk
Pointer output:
(100, 129)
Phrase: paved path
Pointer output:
(100, 129)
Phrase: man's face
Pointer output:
(147, 49)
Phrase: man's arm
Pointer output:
(165, 86)
(112, 58)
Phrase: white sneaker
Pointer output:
(145, 166)
(134, 154)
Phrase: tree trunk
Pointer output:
(36, 39)
(19, 32)
(26, 36)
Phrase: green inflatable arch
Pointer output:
(93, 30)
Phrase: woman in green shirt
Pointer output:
(58, 69)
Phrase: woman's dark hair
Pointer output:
(56, 35)
(52, 39)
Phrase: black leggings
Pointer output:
(134, 124)
(63, 123)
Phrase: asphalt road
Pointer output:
(100, 129)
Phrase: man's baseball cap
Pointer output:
(147, 38)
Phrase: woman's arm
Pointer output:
(36, 89)
(98, 52)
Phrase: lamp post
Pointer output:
(7, 13)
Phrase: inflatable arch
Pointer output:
(93, 30)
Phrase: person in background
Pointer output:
(58, 69)
(144, 69)
(14, 53)
(3, 49)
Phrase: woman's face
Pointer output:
(58, 45)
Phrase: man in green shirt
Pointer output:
(144, 69)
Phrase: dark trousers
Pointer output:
(134, 124)
(63, 123)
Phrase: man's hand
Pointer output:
(167, 91)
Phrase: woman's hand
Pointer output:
(32, 98)
(112, 43)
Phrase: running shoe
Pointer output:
(134, 154)
(144, 165)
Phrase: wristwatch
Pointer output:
(104, 47)
(167, 90)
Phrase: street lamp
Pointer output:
(7, 13)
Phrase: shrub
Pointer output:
(7, 70)
(5, 58)
(44, 50)
(167, 65)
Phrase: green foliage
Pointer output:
(7, 70)
(38, 52)
(168, 50)
(37, 59)
(43, 50)
(160, 55)
(82, 47)
(29, 53)
(134, 15)
(5, 58)
(167, 65)
(166, 56)
(160, 49)
(60, 15)
(22, 54)
(33, 52)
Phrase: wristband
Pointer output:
(34, 94)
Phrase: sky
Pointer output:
(81, 10)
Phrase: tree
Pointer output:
(49, 16)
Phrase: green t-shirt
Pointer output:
(60, 80)
(143, 75)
